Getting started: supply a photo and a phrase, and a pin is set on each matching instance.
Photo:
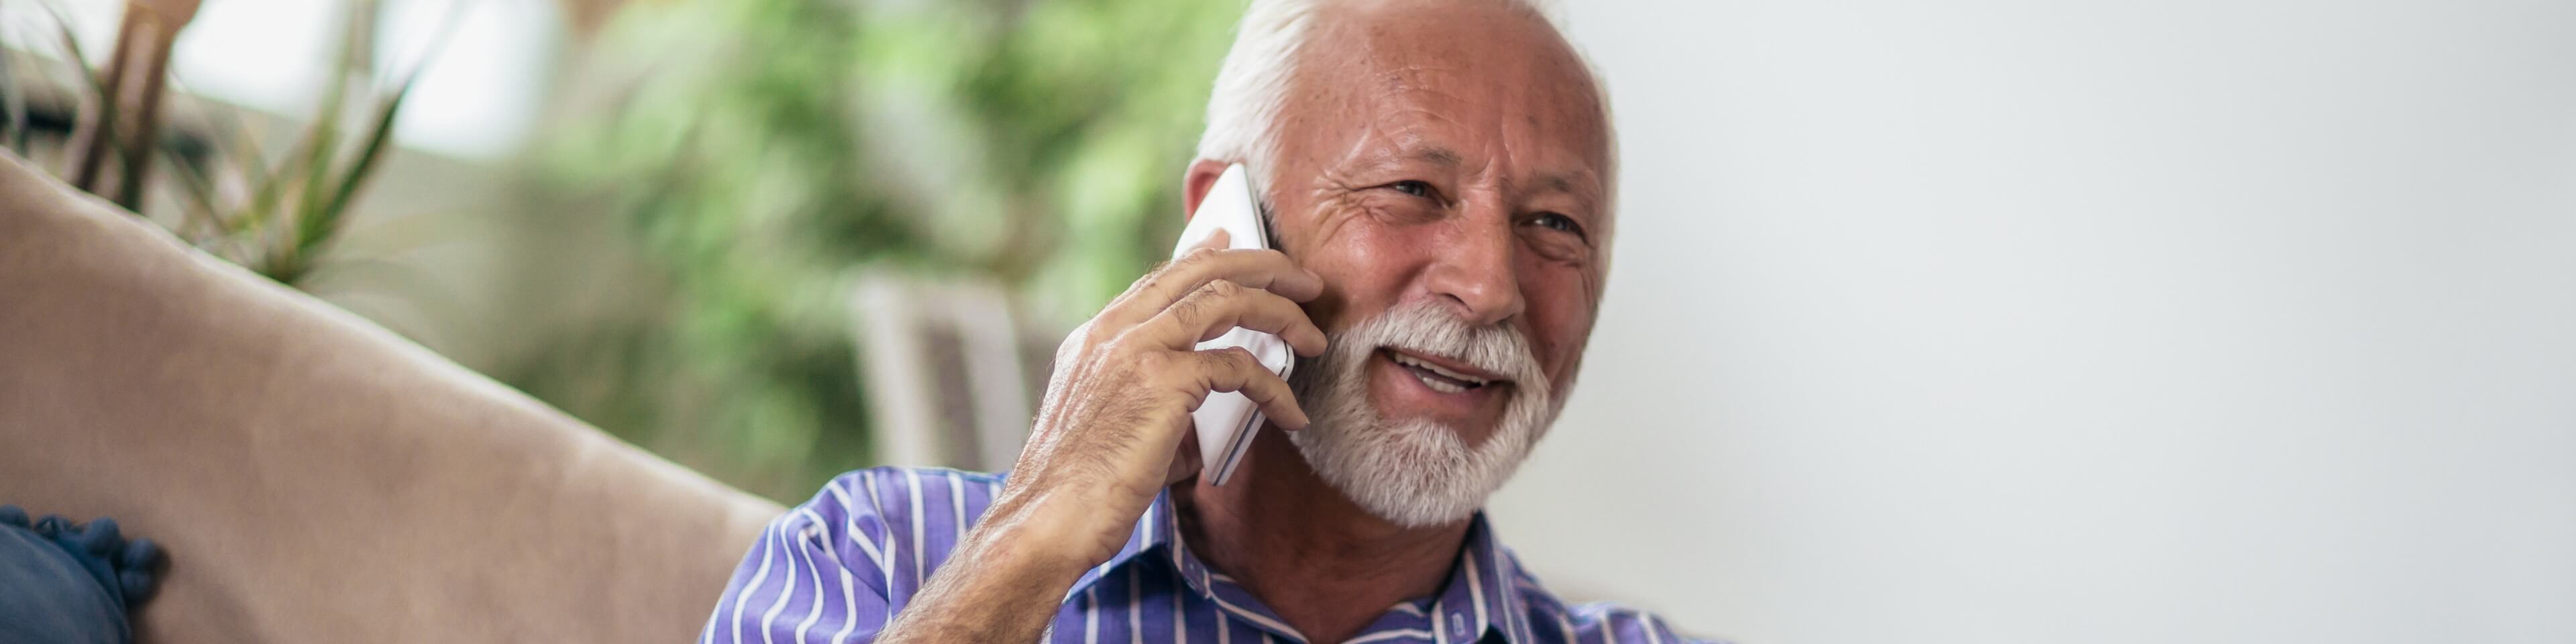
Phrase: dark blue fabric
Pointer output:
(66, 582)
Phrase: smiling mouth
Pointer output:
(1438, 378)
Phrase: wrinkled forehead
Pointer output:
(1479, 77)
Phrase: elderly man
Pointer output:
(1439, 173)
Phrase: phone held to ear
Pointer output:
(1227, 420)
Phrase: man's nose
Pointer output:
(1474, 267)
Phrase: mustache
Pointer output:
(1425, 327)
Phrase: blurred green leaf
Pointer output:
(760, 151)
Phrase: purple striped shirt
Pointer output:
(839, 567)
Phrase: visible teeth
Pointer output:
(1436, 384)
(1425, 366)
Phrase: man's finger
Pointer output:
(1222, 305)
(1234, 369)
(1262, 269)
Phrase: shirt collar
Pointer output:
(1481, 595)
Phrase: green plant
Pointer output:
(290, 209)
(295, 208)
(761, 151)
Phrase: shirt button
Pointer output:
(1458, 623)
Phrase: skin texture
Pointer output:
(1448, 103)
(1109, 437)
(1446, 151)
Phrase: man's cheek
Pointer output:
(1326, 310)
(1559, 328)
(1370, 271)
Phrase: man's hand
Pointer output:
(1112, 434)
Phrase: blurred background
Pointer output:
(1979, 321)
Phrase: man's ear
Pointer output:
(1196, 183)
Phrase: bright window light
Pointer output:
(478, 99)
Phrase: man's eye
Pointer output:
(1554, 221)
(1412, 187)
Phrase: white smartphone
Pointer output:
(1226, 420)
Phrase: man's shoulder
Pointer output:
(891, 473)
(903, 493)
(1554, 619)
(906, 520)
(889, 509)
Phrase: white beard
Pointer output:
(1417, 472)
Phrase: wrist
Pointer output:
(1002, 583)
(1034, 544)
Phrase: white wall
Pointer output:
(1994, 321)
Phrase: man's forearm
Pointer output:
(1004, 583)
(1109, 437)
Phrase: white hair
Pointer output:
(1410, 471)
(1253, 85)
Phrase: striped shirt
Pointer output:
(839, 567)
